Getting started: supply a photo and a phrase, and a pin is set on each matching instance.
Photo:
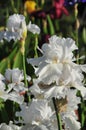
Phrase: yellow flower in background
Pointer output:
(30, 6)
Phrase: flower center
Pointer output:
(55, 60)
(45, 86)
(61, 104)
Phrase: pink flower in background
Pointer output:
(58, 9)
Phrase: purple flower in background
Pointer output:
(82, 1)
(72, 2)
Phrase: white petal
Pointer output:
(71, 123)
(82, 89)
(35, 61)
(11, 36)
(33, 28)
(11, 126)
(14, 96)
(14, 22)
(49, 73)
(83, 68)
(71, 44)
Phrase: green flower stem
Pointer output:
(59, 123)
(24, 67)
(76, 27)
(45, 30)
(77, 57)
(82, 112)
(36, 45)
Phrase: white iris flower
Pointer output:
(15, 87)
(55, 54)
(11, 126)
(57, 67)
(17, 29)
(37, 114)
(68, 115)
(14, 78)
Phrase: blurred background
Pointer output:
(60, 17)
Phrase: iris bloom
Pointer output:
(13, 96)
(14, 78)
(56, 69)
(14, 75)
(37, 114)
(55, 55)
(15, 87)
(58, 9)
(67, 110)
(69, 78)
(11, 126)
(17, 28)
(37, 127)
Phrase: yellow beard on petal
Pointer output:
(61, 104)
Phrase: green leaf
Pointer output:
(51, 26)
(18, 61)
(84, 34)
(3, 113)
(6, 62)
(13, 53)
(3, 65)
(83, 119)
